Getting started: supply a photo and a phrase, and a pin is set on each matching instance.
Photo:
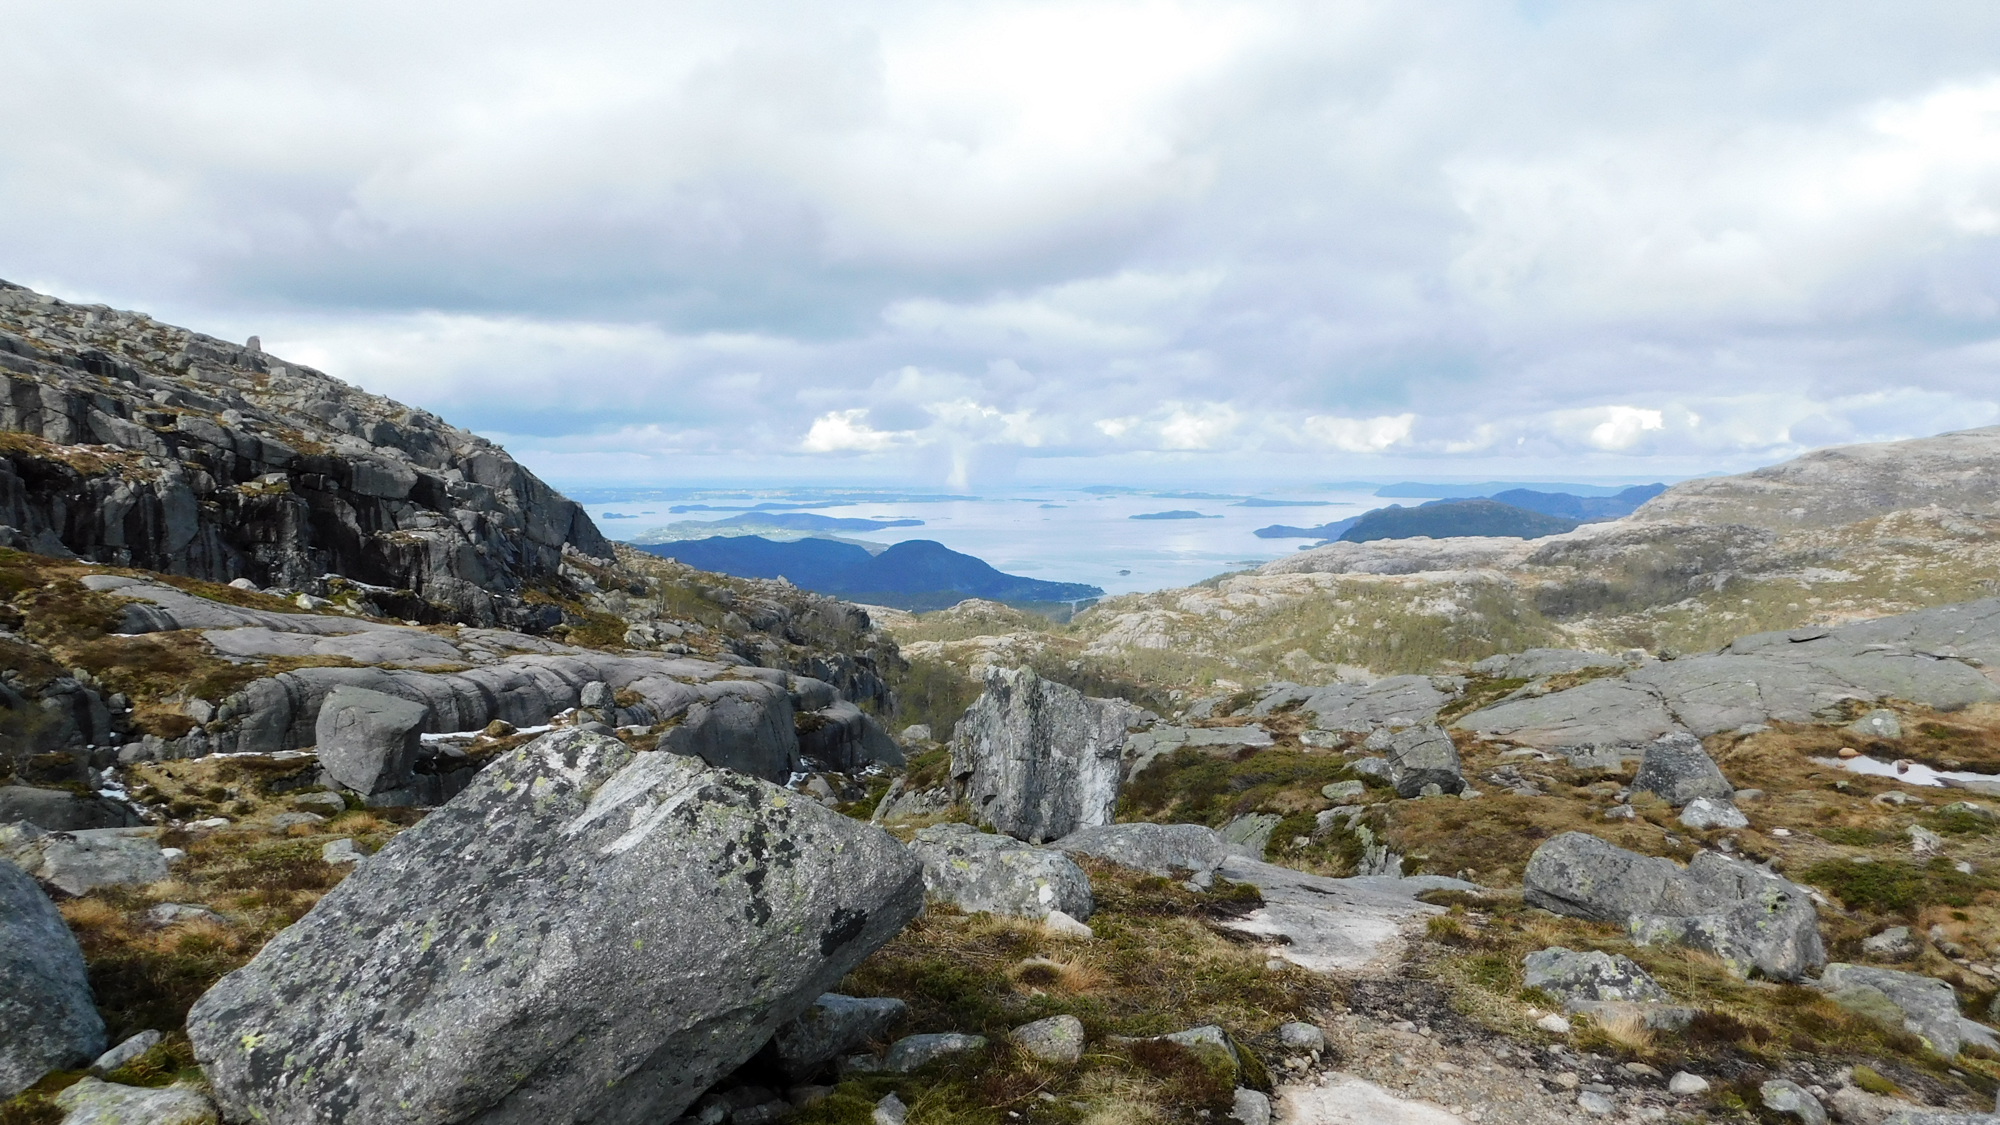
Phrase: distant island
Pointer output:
(1178, 514)
(916, 575)
(1518, 513)
(618, 516)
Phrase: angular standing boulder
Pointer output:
(741, 725)
(1423, 755)
(1568, 976)
(46, 1008)
(1040, 760)
(584, 934)
(1678, 770)
(976, 871)
(368, 740)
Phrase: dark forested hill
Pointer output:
(917, 574)
(1449, 518)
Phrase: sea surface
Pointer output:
(1055, 534)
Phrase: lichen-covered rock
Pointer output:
(1039, 760)
(91, 1102)
(584, 934)
(45, 1000)
(1704, 813)
(833, 1026)
(1924, 1006)
(977, 871)
(913, 1052)
(1571, 976)
(59, 810)
(1057, 1039)
(1157, 849)
(1678, 770)
(1750, 918)
(77, 862)
(1781, 1095)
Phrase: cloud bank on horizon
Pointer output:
(1121, 241)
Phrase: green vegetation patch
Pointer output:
(1190, 786)
(1890, 887)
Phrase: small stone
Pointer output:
(1058, 1039)
(914, 1051)
(1594, 1104)
(1787, 1097)
(1896, 943)
(1743, 796)
(1553, 1024)
(1925, 842)
(1620, 812)
(1704, 813)
(1567, 1080)
(1301, 1037)
(891, 1111)
(169, 913)
(91, 1102)
(1849, 752)
(1781, 832)
(1251, 1108)
(329, 804)
(1880, 723)
(1639, 1070)
(1062, 925)
(1683, 1084)
(124, 1052)
(210, 822)
(172, 855)
(286, 820)
(1342, 790)
(341, 851)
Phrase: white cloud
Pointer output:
(845, 431)
(1361, 435)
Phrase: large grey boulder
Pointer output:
(1928, 1007)
(977, 871)
(1678, 770)
(368, 741)
(59, 810)
(845, 738)
(1157, 849)
(1393, 701)
(1781, 1095)
(1594, 976)
(742, 725)
(1040, 760)
(833, 1026)
(1421, 756)
(45, 1001)
(585, 933)
(77, 862)
(1753, 920)
(91, 1102)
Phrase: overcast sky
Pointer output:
(954, 243)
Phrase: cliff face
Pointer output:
(130, 442)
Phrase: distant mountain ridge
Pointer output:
(1458, 520)
(917, 574)
(1445, 519)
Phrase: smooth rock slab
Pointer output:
(1354, 1101)
(1332, 925)
(584, 934)
(977, 871)
(91, 1102)
(45, 1001)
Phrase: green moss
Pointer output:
(1867, 1078)
(1896, 888)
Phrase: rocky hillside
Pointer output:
(1833, 536)
(135, 443)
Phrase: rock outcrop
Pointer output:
(91, 1102)
(1678, 770)
(1158, 849)
(45, 1001)
(1422, 756)
(1924, 1006)
(976, 871)
(1751, 919)
(585, 932)
(151, 446)
(77, 862)
(1039, 760)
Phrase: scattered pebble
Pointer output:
(1683, 1084)
(1553, 1024)
(1595, 1104)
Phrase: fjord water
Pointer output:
(1059, 535)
